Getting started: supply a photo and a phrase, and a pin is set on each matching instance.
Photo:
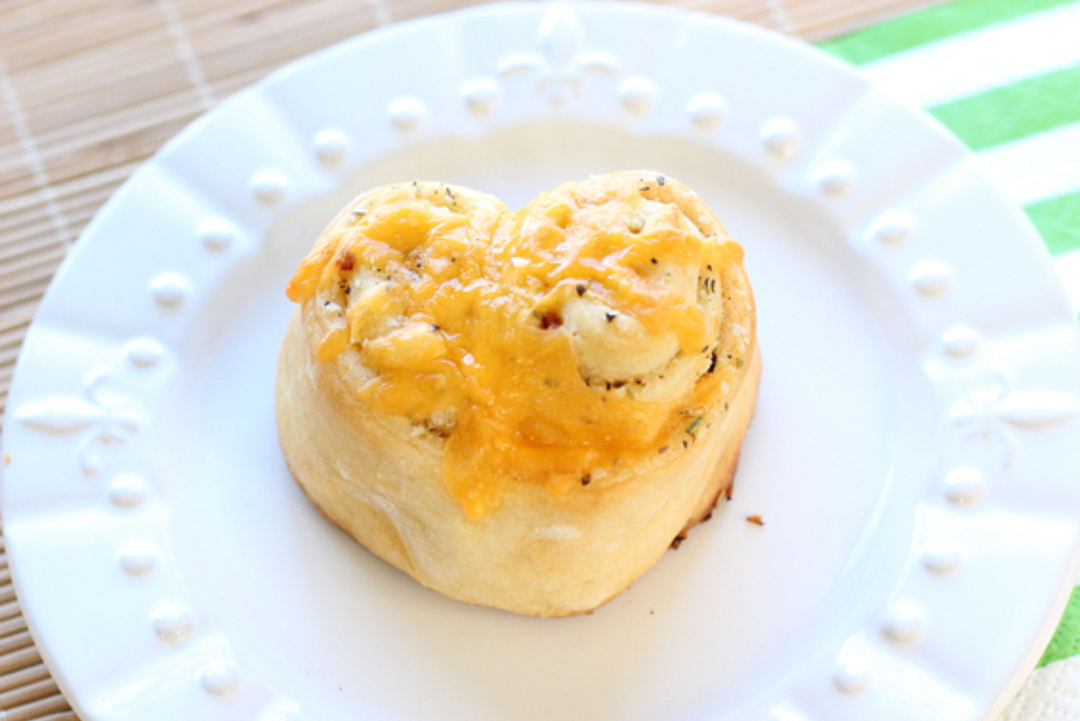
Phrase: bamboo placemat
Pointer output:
(89, 89)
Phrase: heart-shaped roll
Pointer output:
(520, 409)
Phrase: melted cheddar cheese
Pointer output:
(546, 344)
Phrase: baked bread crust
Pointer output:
(382, 476)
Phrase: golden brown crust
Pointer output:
(381, 478)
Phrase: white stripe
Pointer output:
(1068, 266)
(982, 59)
(1037, 167)
(1049, 694)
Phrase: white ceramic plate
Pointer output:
(913, 457)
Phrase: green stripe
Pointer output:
(1058, 221)
(1066, 640)
(926, 26)
(1015, 111)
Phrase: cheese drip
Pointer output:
(548, 344)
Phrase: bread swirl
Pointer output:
(521, 410)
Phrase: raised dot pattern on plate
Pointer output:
(637, 94)
(943, 556)
(219, 678)
(169, 289)
(964, 486)
(851, 679)
(406, 114)
(127, 490)
(931, 278)
(137, 558)
(892, 228)
(481, 96)
(173, 623)
(835, 178)
(332, 147)
(904, 624)
(960, 342)
(216, 235)
(781, 137)
(269, 186)
(707, 110)
(144, 352)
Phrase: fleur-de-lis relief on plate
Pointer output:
(110, 418)
(994, 409)
(561, 67)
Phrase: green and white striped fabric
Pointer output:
(1004, 76)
